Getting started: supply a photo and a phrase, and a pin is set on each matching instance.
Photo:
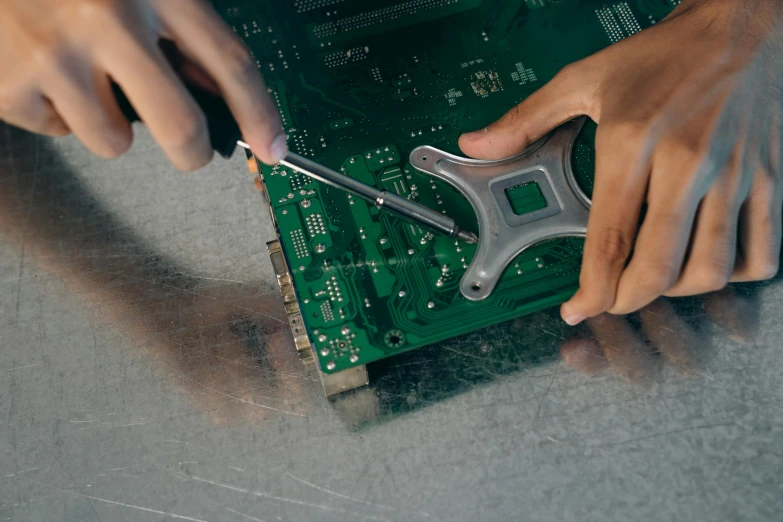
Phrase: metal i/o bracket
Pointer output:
(280, 267)
(333, 383)
(503, 234)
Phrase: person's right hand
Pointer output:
(59, 57)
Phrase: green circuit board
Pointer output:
(359, 84)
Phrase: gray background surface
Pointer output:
(147, 373)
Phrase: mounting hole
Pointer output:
(475, 286)
(394, 339)
(424, 158)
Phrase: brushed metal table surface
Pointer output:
(147, 373)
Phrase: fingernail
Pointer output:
(475, 135)
(573, 319)
(279, 149)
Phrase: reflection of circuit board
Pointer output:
(359, 84)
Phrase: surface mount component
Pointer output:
(503, 232)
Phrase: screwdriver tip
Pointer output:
(467, 237)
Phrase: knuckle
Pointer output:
(94, 10)
(599, 304)
(685, 147)
(194, 161)
(58, 131)
(577, 79)
(626, 137)
(238, 59)
(49, 54)
(711, 278)
(570, 71)
(594, 299)
(188, 147)
(513, 121)
(511, 117)
(764, 269)
(115, 144)
(54, 126)
(613, 245)
(658, 277)
(191, 131)
(630, 131)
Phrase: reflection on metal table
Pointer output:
(147, 372)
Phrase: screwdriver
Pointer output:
(383, 199)
(225, 135)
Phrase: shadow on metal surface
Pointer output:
(675, 334)
(229, 347)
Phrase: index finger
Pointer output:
(206, 39)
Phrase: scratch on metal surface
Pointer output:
(16, 279)
(259, 368)
(123, 274)
(339, 495)
(263, 494)
(25, 366)
(148, 420)
(543, 397)
(67, 472)
(126, 474)
(196, 276)
(140, 508)
(537, 327)
(26, 222)
(465, 354)
(34, 500)
(662, 434)
(243, 514)
(22, 471)
(21, 273)
(262, 315)
(244, 400)
(128, 276)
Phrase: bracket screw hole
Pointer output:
(424, 158)
(475, 286)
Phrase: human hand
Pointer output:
(689, 115)
(59, 57)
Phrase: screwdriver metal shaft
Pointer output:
(383, 199)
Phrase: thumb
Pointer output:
(564, 97)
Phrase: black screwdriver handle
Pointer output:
(223, 129)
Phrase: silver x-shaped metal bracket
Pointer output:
(503, 234)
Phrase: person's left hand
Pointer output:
(689, 115)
